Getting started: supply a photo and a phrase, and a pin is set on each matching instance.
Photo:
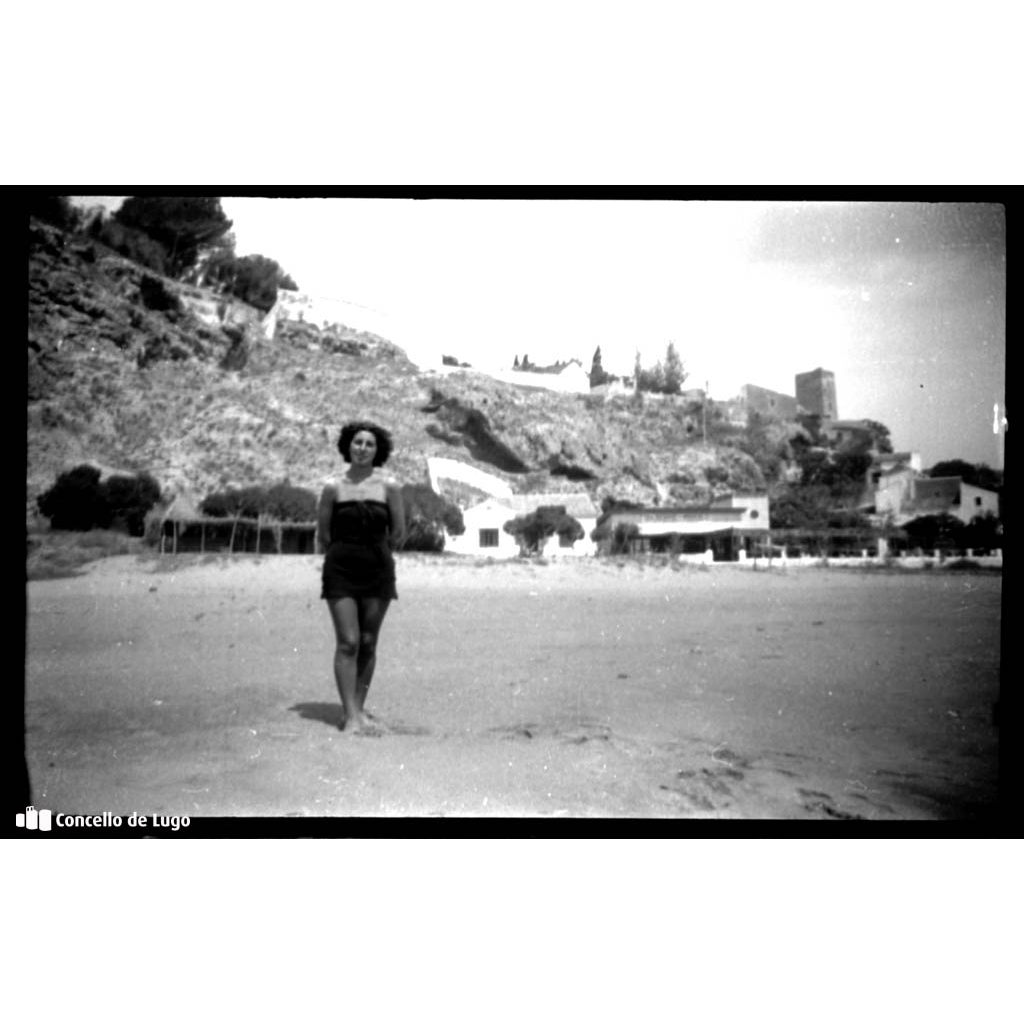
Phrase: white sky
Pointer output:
(914, 329)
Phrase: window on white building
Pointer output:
(488, 538)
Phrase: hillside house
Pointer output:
(716, 532)
(573, 379)
(889, 486)
(949, 495)
(614, 386)
(846, 432)
(896, 490)
(484, 523)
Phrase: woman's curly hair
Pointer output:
(350, 430)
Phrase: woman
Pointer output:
(360, 521)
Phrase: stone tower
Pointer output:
(816, 392)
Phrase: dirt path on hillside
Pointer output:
(203, 688)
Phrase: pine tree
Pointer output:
(181, 224)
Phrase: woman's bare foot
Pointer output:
(362, 725)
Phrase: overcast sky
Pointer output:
(904, 302)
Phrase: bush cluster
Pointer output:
(946, 532)
(80, 500)
(427, 516)
(253, 279)
(56, 210)
(130, 242)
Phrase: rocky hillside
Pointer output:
(133, 372)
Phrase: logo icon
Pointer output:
(41, 820)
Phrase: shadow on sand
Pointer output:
(334, 716)
(318, 711)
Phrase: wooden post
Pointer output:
(259, 520)
(231, 542)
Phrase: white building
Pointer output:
(572, 379)
(484, 522)
(720, 531)
(951, 496)
(898, 491)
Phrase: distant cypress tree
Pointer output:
(674, 373)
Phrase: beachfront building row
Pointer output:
(719, 531)
(727, 530)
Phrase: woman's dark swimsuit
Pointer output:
(359, 562)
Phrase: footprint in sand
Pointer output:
(380, 727)
(701, 788)
(403, 729)
(577, 734)
(526, 731)
(821, 803)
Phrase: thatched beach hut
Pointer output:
(184, 528)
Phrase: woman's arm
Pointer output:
(323, 517)
(397, 508)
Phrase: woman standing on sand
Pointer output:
(360, 522)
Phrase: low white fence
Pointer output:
(867, 557)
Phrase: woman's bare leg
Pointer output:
(371, 615)
(345, 616)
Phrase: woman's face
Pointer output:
(363, 449)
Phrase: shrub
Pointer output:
(130, 243)
(75, 501)
(253, 279)
(129, 499)
(984, 532)
(155, 295)
(56, 210)
(78, 500)
(532, 531)
(935, 532)
(622, 538)
(427, 516)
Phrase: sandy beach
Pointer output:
(202, 686)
